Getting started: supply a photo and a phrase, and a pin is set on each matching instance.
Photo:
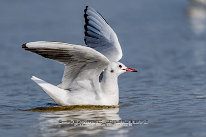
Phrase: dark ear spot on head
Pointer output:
(112, 71)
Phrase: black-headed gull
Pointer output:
(84, 64)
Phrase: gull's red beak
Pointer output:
(130, 69)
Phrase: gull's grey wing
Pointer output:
(81, 63)
(100, 36)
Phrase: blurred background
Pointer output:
(164, 39)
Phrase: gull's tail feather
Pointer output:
(57, 94)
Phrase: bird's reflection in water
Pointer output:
(197, 14)
(59, 123)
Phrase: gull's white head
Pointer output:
(117, 68)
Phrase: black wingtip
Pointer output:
(86, 8)
(85, 41)
(86, 23)
(85, 15)
(24, 46)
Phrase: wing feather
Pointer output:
(81, 63)
(100, 36)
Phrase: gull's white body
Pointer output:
(107, 95)
(83, 65)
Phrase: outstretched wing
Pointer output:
(100, 36)
(81, 63)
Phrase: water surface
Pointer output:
(165, 40)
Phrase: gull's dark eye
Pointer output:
(120, 66)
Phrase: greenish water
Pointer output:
(66, 108)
